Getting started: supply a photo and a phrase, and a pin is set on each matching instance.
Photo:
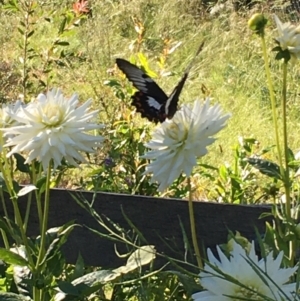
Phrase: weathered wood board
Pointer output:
(157, 219)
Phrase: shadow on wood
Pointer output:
(157, 219)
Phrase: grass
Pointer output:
(230, 66)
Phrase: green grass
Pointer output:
(230, 66)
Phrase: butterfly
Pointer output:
(150, 100)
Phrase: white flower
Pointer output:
(253, 284)
(53, 128)
(289, 38)
(7, 113)
(177, 143)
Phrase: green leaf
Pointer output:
(142, 256)
(21, 31)
(12, 258)
(265, 215)
(16, 186)
(12, 230)
(68, 288)
(62, 26)
(91, 279)
(283, 55)
(27, 189)
(21, 166)
(2, 181)
(59, 237)
(79, 267)
(291, 156)
(41, 184)
(277, 48)
(30, 34)
(189, 283)
(223, 172)
(145, 65)
(112, 83)
(86, 285)
(62, 43)
(4, 296)
(266, 167)
(56, 265)
(208, 166)
(12, 5)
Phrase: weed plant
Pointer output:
(78, 53)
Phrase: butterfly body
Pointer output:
(150, 100)
(149, 107)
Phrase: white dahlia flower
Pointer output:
(244, 277)
(289, 37)
(177, 143)
(53, 128)
(7, 118)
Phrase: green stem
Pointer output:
(5, 209)
(42, 250)
(27, 212)
(193, 226)
(36, 294)
(273, 104)
(39, 293)
(287, 186)
(22, 231)
(34, 178)
(5, 240)
(3, 234)
(6, 174)
(285, 143)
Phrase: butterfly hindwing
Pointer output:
(148, 107)
(150, 97)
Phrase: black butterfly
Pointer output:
(150, 100)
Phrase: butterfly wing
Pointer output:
(149, 98)
(172, 101)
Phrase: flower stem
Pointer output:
(37, 194)
(273, 104)
(5, 240)
(5, 209)
(22, 231)
(193, 226)
(285, 143)
(27, 212)
(45, 218)
(287, 185)
(38, 293)
(7, 176)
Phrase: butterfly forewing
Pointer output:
(150, 100)
(142, 81)
(172, 102)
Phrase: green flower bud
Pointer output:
(243, 241)
(257, 23)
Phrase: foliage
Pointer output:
(58, 43)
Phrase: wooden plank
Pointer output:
(154, 217)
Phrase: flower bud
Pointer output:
(243, 241)
(257, 23)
